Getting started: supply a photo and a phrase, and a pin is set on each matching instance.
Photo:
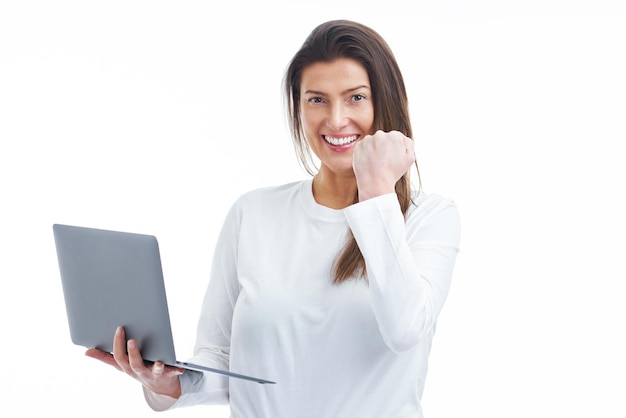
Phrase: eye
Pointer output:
(358, 98)
(315, 100)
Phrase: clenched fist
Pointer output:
(380, 160)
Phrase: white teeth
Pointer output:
(340, 141)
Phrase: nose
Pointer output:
(337, 117)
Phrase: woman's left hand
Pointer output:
(380, 160)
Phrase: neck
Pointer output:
(334, 191)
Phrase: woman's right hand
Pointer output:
(156, 377)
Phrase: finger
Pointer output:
(119, 349)
(103, 356)
(409, 147)
(406, 141)
(134, 357)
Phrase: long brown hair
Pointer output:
(346, 39)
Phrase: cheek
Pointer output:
(311, 134)
(310, 130)
(367, 121)
(308, 121)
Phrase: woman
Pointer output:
(329, 286)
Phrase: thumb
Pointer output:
(157, 369)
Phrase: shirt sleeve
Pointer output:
(409, 263)
(212, 347)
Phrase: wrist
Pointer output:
(370, 193)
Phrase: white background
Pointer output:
(153, 116)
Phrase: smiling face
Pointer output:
(337, 111)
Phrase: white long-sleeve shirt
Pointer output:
(358, 349)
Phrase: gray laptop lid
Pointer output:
(113, 278)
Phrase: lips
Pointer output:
(340, 141)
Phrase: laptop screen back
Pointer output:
(114, 278)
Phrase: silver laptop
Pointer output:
(113, 278)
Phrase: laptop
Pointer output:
(113, 278)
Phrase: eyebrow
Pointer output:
(343, 92)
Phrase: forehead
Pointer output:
(342, 73)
